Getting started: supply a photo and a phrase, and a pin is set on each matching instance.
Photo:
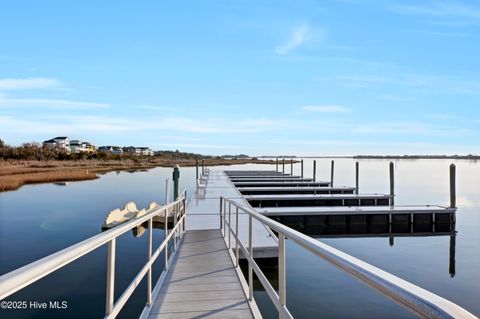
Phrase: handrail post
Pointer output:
(166, 234)
(229, 224)
(149, 278)
(224, 219)
(250, 252)
(220, 211)
(236, 241)
(110, 294)
(282, 291)
(175, 211)
(184, 213)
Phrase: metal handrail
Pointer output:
(28, 274)
(418, 300)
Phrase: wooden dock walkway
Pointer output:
(202, 281)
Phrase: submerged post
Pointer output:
(301, 168)
(314, 170)
(332, 169)
(451, 264)
(291, 167)
(283, 165)
(453, 195)
(176, 176)
(392, 184)
(357, 173)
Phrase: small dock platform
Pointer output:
(291, 183)
(295, 190)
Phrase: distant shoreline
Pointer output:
(16, 173)
(466, 157)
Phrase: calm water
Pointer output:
(36, 221)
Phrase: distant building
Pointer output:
(129, 149)
(144, 151)
(139, 151)
(59, 142)
(114, 150)
(77, 146)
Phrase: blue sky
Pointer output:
(257, 77)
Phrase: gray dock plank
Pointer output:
(202, 282)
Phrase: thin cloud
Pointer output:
(16, 103)
(29, 83)
(439, 9)
(297, 38)
(448, 34)
(326, 109)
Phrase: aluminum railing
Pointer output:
(26, 275)
(420, 301)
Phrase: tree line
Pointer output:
(36, 151)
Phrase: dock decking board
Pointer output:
(202, 282)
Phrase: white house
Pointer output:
(77, 146)
(144, 151)
(115, 150)
(59, 142)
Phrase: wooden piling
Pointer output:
(392, 184)
(196, 168)
(176, 177)
(357, 173)
(332, 169)
(301, 168)
(283, 165)
(291, 167)
(453, 195)
(314, 170)
(203, 167)
(276, 165)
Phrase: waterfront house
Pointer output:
(77, 146)
(59, 142)
(114, 150)
(144, 151)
